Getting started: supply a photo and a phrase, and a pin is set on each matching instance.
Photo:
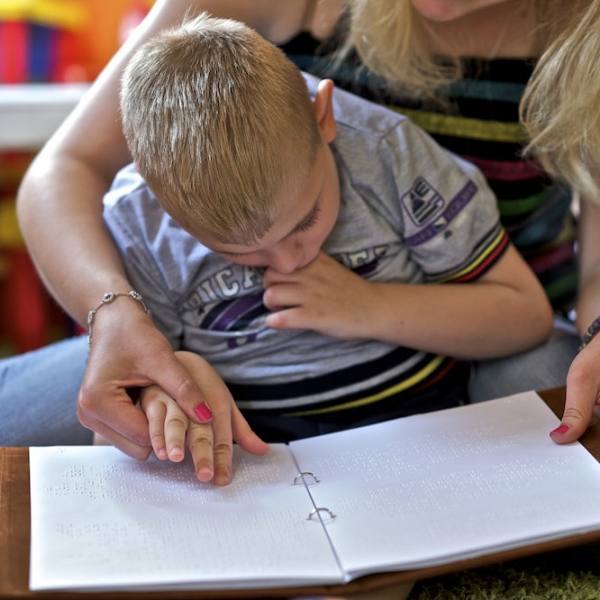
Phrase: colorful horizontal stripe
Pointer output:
(505, 170)
(418, 378)
(484, 261)
(477, 129)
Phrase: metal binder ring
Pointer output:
(302, 475)
(315, 511)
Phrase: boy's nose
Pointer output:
(286, 257)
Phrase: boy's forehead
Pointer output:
(241, 250)
(298, 204)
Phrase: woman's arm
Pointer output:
(583, 379)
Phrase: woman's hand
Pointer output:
(583, 394)
(583, 378)
(128, 352)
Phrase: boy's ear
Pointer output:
(323, 109)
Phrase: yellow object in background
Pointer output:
(10, 233)
(69, 14)
(62, 14)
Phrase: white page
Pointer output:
(458, 483)
(101, 520)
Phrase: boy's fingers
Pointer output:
(175, 427)
(223, 460)
(200, 444)
(222, 445)
(156, 414)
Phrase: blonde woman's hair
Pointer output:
(218, 121)
(561, 105)
(391, 39)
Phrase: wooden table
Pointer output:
(15, 538)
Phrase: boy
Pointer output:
(296, 253)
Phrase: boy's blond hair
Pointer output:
(220, 125)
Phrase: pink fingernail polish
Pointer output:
(561, 429)
(203, 413)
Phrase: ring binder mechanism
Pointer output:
(305, 474)
(316, 511)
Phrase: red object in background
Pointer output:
(68, 67)
(25, 313)
(29, 318)
(14, 40)
(31, 53)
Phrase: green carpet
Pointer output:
(571, 574)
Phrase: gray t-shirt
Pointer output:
(410, 212)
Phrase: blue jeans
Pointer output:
(38, 396)
(539, 369)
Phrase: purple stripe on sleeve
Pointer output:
(455, 206)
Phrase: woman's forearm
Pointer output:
(588, 302)
(60, 214)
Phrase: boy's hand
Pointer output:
(324, 296)
(211, 444)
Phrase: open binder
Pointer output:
(407, 494)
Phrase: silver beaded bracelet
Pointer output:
(108, 298)
(587, 337)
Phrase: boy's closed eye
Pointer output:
(310, 221)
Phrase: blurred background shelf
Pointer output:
(30, 113)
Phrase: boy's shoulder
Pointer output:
(127, 183)
(131, 204)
